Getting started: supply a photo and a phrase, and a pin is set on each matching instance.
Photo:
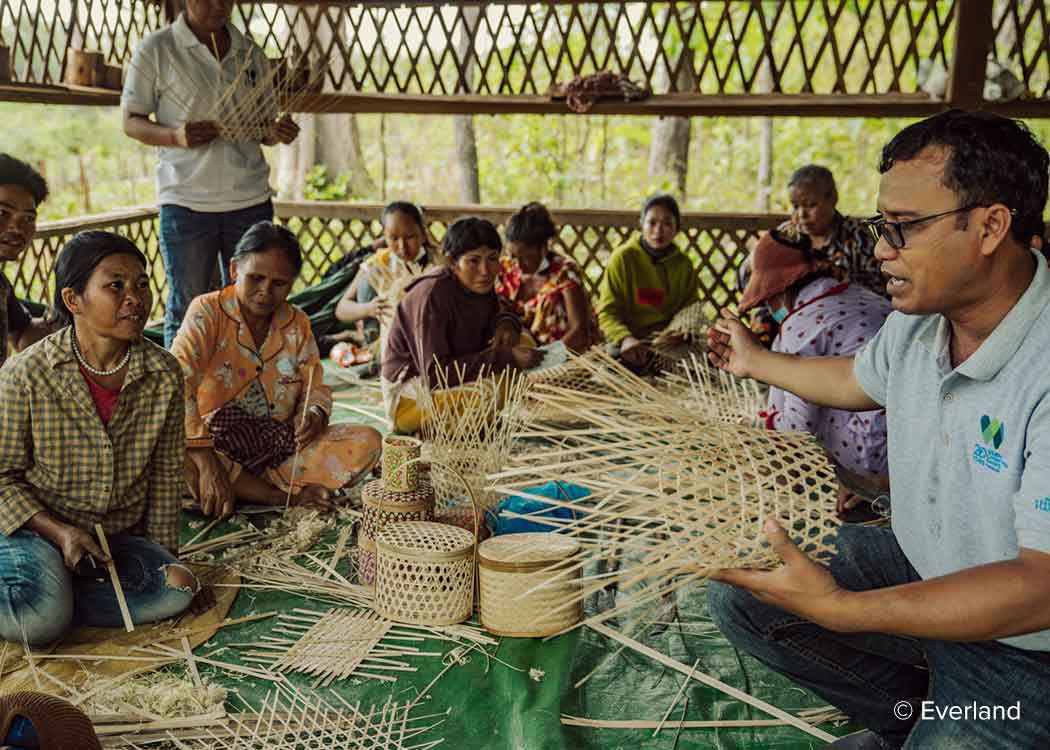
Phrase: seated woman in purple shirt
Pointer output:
(819, 316)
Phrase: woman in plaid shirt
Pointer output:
(91, 431)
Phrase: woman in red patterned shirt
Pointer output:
(545, 288)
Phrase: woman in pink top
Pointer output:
(818, 316)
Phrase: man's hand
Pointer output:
(281, 131)
(194, 134)
(634, 352)
(314, 496)
(800, 585)
(525, 357)
(75, 543)
(310, 428)
(214, 491)
(505, 337)
(732, 346)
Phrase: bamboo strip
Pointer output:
(117, 588)
(713, 682)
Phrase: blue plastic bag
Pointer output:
(500, 521)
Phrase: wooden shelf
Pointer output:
(687, 105)
(37, 93)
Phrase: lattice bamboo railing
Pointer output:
(738, 56)
(717, 243)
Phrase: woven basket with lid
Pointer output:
(424, 573)
(526, 588)
(381, 506)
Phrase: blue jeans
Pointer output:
(190, 243)
(868, 675)
(41, 598)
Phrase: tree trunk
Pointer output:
(669, 144)
(333, 140)
(463, 125)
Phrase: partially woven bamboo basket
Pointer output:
(525, 582)
(425, 570)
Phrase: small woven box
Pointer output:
(381, 506)
(424, 573)
(526, 588)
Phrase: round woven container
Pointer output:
(511, 569)
(400, 468)
(381, 506)
(424, 573)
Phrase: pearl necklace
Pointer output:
(94, 371)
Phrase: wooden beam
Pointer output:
(678, 104)
(38, 93)
(973, 38)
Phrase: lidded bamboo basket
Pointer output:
(425, 573)
(528, 586)
(425, 570)
(381, 506)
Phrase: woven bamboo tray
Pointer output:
(425, 570)
(525, 582)
(381, 506)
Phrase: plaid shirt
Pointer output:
(56, 455)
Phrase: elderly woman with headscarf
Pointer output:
(842, 240)
(819, 316)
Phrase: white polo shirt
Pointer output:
(174, 77)
(969, 447)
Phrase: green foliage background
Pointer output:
(558, 159)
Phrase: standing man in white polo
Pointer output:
(210, 189)
(935, 633)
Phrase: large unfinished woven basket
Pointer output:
(517, 599)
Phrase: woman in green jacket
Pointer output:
(647, 282)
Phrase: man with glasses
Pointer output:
(935, 634)
(22, 190)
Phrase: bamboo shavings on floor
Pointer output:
(158, 695)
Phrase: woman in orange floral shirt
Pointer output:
(255, 392)
(545, 288)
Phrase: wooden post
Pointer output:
(973, 36)
(5, 64)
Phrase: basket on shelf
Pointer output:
(425, 571)
(529, 584)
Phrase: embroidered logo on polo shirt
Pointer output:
(1043, 504)
(992, 435)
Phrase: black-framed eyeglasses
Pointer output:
(893, 231)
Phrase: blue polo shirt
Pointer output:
(969, 447)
